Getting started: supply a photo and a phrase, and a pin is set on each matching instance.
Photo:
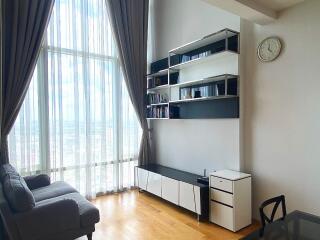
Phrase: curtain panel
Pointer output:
(77, 122)
(129, 21)
(24, 24)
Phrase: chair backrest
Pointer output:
(276, 201)
(9, 226)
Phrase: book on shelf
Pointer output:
(155, 98)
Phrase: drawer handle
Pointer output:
(220, 181)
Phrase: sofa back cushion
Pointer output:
(7, 169)
(15, 189)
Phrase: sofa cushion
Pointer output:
(7, 169)
(37, 181)
(55, 189)
(17, 193)
(89, 214)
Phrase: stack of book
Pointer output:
(154, 98)
(158, 112)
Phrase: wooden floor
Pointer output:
(140, 216)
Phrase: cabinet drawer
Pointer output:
(222, 184)
(221, 215)
(223, 197)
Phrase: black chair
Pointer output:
(276, 201)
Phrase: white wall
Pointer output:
(282, 110)
(193, 145)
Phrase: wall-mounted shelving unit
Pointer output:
(206, 97)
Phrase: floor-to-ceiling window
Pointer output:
(77, 122)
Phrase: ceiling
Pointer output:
(278, 5)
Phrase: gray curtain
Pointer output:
(24, 24)
(129, 21)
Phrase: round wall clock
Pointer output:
(269, 49)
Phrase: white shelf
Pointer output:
(211, 57)
(202, 99)
(205, 80)
(214, 37)
(160, 73)
(158, 118)
(157, 104)
(159, 87)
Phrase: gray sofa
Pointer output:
(32, 208)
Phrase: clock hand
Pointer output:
(269, 49)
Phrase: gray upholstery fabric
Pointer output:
(70, 234)
(89, 214)
(56, 189)
(7, 169)
(23, 25)
(7, 217)
(17, 193)
(47, 218)
(37, 181)
(60, 212)
(129, 21)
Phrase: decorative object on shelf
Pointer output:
(197, 94)
(269, 49)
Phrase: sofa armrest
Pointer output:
(47, 218)
(37, 181)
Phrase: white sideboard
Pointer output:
(175, 186)
(230, 199)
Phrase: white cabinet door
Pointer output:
(154, 184)
(142, 178)
(186, 196)
(170, 190)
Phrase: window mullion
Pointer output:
(43, 95)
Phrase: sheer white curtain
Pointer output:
(77, 122)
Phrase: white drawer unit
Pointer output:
(230, 199)
(175, 186)
(170, 190)
(154, 184)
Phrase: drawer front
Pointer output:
(223, 197)
(221, 215)
(222, 184)
(170, 190)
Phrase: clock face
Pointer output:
(269, 49)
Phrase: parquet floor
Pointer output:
(134, 215)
